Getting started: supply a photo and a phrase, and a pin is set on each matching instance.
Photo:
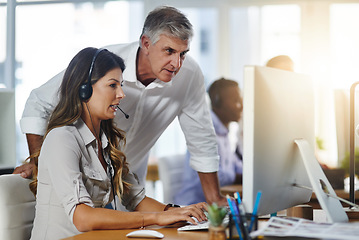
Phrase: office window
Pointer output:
(2, 44)
(49, 35)
(260, 33)
(244, 40)
(344, 35)
(280, 26)
(204, 45)
(39, 1)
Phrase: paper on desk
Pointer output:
(298, 227)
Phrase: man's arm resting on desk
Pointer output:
(210, 186)
(34, 143)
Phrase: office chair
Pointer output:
(17, 207)
(170, 170)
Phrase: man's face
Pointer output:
(166, 56)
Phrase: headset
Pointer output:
(85, 91)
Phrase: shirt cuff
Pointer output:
(205, 164)
(79, 196)
(132, 203)
(33, 125)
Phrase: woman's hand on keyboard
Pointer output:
(183, 214)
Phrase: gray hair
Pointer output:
(169, 21)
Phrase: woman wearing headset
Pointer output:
(80, 165)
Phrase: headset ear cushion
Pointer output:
(85, 91)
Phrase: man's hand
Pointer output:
(210, 186)
(25, 170)
(222, 201)
(34, 143)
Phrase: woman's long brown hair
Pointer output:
(69, 109)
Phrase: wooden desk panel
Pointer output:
(169, 234)
(152, 172)
(231, 189)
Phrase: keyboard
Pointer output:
(200, 226)
(204, 225)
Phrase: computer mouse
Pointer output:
(145, 233)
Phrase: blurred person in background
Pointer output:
(227, 107)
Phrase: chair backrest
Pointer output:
(170, 169)
(17, 207)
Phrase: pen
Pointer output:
(242, 218)
(234, 216)
(237, 197)
(255, 210)
(242, 215)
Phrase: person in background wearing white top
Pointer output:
(80, 165)
(227, 107)
(161, 83)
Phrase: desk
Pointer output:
(231, 189)
(170, 234)
(353, 216)
(340, 193)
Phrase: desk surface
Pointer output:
(169, 233)
(231, 189)
(353, 216)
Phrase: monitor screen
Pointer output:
(278, 108)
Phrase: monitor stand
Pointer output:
(331, 206)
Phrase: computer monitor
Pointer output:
(278, 108)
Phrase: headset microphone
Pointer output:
(126, 115)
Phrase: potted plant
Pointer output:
(216, 216)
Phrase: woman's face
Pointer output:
(107, 93)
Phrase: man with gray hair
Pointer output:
(160, 83)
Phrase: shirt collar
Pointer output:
(87, 135)
(129, 75)
(218, 125)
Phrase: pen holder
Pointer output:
(217, 232)
(251, 221)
